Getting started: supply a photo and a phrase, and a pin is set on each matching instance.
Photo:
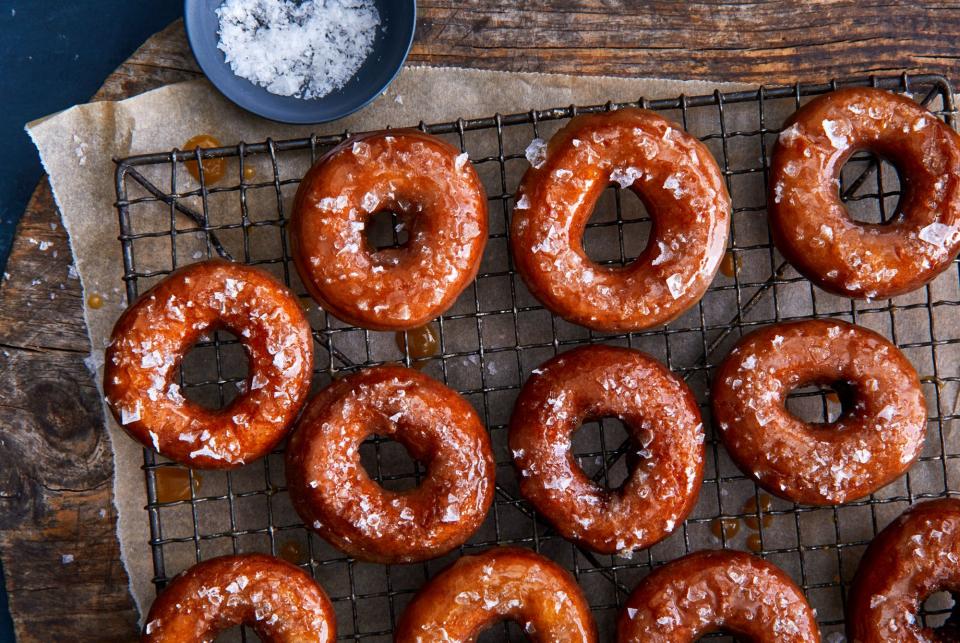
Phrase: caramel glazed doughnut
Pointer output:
(810, 224)
(278, 600)
(679, 183)
(151, 337)
(661, 414)
(917, 555)
(875, 440)
(710, 591)
(438, 197)
(333, 494)
(504, 583)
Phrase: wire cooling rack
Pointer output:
(497, 333)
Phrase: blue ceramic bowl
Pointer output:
(390, 47)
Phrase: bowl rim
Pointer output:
(301, 117)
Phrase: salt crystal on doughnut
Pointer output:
(461, 160)
(831, 129)
(789, 135)
(675, 284)
(536, 152)
(626, 176)
(664, 255)
(938, 234)
(127, 416)
(672, 183)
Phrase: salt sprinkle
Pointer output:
(536, 152)
(305, 49)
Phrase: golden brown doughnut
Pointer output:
(917, 555)
(333, 494)
(811, 225)
(661, 414)
(140, 379)
(874, 441)
(710, 591)
(682, 188)
(278, 600)
(438, 196)
(499, 584)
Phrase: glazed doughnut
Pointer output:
(915, 556)
(810, 224)
(140, 379)
(500, 584)
(333, 494)
(679, 183)
(278, 600)
(661, 414)
(711, 591)
(438, 197)
(875, 440)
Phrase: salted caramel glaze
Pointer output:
(663, 420)
(682, 188)
(811, 225)
(279, 601)
(149, 341)
(874, 441)
(438, 197)
(710, 591)
(335, 496)
(916, 555)
(503, 583)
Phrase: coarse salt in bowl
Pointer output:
(300, 61)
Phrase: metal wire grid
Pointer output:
(367, 609)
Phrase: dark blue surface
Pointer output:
(56, 53)
(390, 47)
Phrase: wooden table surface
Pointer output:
(55, 458)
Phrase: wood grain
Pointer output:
(55, 458)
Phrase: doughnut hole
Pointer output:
(595, 445)
(507, 630)
(870, 188)
(386, 230)
(941, 611)
(215, 370)
(390, 464)
(603, 232)
(819, 403)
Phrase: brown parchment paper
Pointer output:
(77, 147)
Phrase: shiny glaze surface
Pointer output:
(871, 443)
(335, 496)
(664, 423)
(503, 583)
(916, 555)
(679, 183)
(708, 591)
(278, 600)
(811, 225)
(439, 198)
(150, 339)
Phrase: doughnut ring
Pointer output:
(915, 556)
(681, 186)
(875, 440)
(503, 583)
(810, 224)
(438, 197)
(333, 494)
(663, 419)
(280, 601)
(710, 591)
(152, 336)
